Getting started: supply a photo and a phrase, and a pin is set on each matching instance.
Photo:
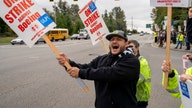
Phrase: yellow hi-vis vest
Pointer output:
(154, 34)
(144, 82)
(180, 37)
(173, 86)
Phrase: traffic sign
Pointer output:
(148, 25)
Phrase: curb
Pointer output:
(172, 47)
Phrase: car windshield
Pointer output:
(83, 31)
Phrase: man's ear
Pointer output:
(126, 43)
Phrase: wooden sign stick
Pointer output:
(169, 12)
(105, 46)
(56, 51)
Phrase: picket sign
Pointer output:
(186, 93)
(30, 22)
(173, 3)
(186, 64)
(169, 4)
(94, 23)
(26, 18)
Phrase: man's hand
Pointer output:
(62, 59)
(185, 77)
(187, 56)
(74, 72)
(165, 67)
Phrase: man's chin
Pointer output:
(115, 52)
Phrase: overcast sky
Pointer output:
(136, 11)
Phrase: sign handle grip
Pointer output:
(56, 51)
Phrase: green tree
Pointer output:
(2, 26)
(178, 16)
(68, 17)
(76, 21)
(120, 18)
(115, 20)
(109, 21)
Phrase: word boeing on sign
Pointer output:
(26, 18)
(93, 22)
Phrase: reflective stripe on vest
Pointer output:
(176, 90)
(143, 78)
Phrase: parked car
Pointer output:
(17, 41)
(142, 34)
(83, 34)
(74, 36)
(129, 34)
(40, 40)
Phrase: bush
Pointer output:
(8, 34)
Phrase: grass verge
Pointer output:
(6, 40)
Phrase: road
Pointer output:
(32, 78)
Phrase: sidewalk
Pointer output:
(172, 47)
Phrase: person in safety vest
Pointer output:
(144, 82)
(180, 39)
(173, 86)
(155, 36)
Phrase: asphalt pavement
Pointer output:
(32, 78)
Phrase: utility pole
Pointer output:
(132, 23)
(55, 12)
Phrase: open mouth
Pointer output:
(115, 46)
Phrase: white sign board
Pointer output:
(186, 64)
(156, 27)
(186, 93)
(93, 22)
(185, 24)
(26, 18)
(173, 3)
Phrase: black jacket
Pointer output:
(189, 29)
(115, 79)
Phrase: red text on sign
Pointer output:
(28, 21)
(27, 13)
(94, 29)
(39, 33)
(173, 1)
(9, 3)
(88, 12)
(18, 9)
(100, 37)
(91, 19)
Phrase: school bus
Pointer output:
(58, 34)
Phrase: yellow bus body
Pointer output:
(58, 34)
